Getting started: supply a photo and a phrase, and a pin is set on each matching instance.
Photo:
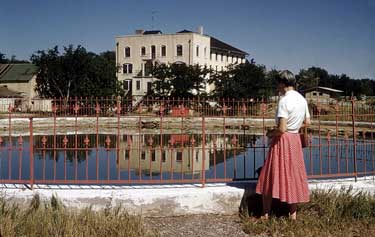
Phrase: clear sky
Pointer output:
(338, 35)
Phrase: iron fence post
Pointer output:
(354, 140)
(31, 143)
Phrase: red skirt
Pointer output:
(283, 175)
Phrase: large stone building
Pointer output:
(136, 54)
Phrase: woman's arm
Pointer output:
(280, 129)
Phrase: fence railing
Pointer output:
(114, 141)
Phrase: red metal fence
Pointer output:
(126, 141)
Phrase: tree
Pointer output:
(75, 72)
(312, 77)
(179, 80)
(246, 80)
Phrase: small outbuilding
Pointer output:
(321, 93)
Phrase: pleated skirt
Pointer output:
(283, 175)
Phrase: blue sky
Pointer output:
(336, 35)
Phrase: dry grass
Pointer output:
(53, 219)
(329, 213)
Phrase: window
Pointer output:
(205, 52)
(138, 85)
(127, 68)
(179, 156)
(153, 51)
(216, 57)
(143, 51)
(153, 155)
(163, 51)
(179, 50)
(210, 56)
(320, 93)
(314, 93)
(143, 155)
(197, 51)
(163, 156)
(227, 58)
(149, 86)
(221, 55)
(126, 85)
(127, 52)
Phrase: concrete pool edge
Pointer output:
(164, 200)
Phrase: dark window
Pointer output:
(149, 86)
(126, 85)
(127, 52)
(163, 156)
(179, 156)
(179, 50)
(153, 155)
(143, 51)
(127, 152)
(210, 56)
(197, 51)
(216, 56)
(143, 155)
(163, 51)
(138, 85)
(127, 68)
(221, 57)
(153, 51)
(314, 93)
(320, 93)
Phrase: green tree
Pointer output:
(75, 72)
(246, 80)
(312, 77)
(179, 80)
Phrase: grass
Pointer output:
(51, 218)
(329, 213)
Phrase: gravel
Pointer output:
(196, 225)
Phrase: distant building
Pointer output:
(20, 78)
(136, 55)
(321, 93)
(17, 88)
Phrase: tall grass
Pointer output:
(329, 213)
(51, 218)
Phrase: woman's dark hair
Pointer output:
(287, 78)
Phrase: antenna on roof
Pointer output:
(153, 18)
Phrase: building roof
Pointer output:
(324, 89)
(221, 46)
(15, 73)
(152, 32)
(5, 92)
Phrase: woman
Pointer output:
(283, 175)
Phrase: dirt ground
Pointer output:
(197, 225)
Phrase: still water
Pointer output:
(168, 156)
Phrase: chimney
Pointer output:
(139, 32)
(200, 30)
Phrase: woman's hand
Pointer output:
(271, 133)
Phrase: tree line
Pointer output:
(76, 72)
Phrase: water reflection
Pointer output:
(165, 157)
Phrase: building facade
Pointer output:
(136, 54)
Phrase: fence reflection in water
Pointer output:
(175, 147)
